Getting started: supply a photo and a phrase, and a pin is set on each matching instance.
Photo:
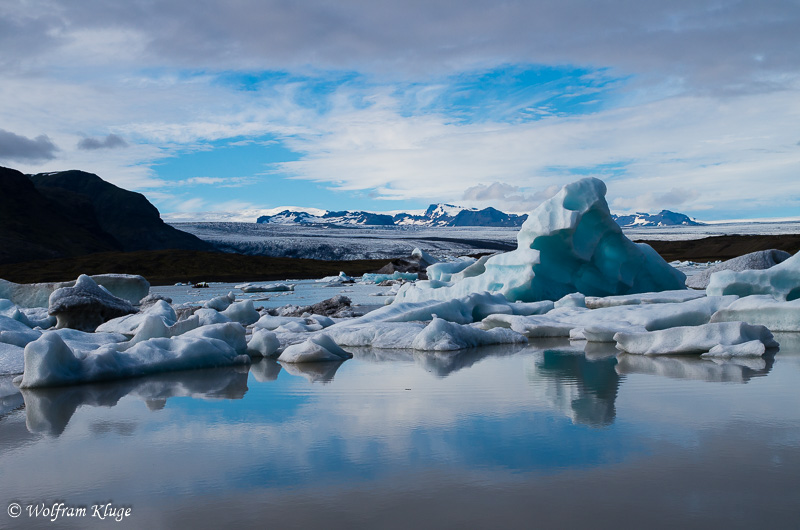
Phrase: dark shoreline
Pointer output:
(166, 267)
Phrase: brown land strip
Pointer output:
(724, 247)
(165, 267)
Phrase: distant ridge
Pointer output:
(454, 216)
(72, 213)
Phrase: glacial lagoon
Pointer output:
(552, 434)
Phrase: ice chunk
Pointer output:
(441, 335)
(294, 324)
(571, 300)
(266, 288)
(423, 257)
(129, 324)
(50, 362)
(380, 335)
(444, 270)
(86, 305)
(263, 343)
(663, 297)
(341, 278)
(220, 303)
(396, 275)
(319, 348)
(242, 312)
(126, 286)
(782, 281)
(764, 310)
(753, 348)
(568, 244)
(760, 260)
(209, 316)
(12, 359)
(693, 339)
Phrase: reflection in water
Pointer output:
(265, 370)
(439, 363)
(10, 397)
(49, 410)
(313, 372)
(734, 370)
(582, 388)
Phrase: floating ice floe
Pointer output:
(600, 325)
(86, 305)
(760, 260)
(764, 310)
(49, 361)
(441, 335)
(568, 244)
(663, 297)
(129, 287)
(380, 278)
(266, 288)
(782, 281)
(341, 278)
(263, 343)
(696, 339)
(319, 348)
(242, 312)
(129, 324)
(220, 303)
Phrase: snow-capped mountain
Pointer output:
(435, 215)
(450, 215)
(663, 218)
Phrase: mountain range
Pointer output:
(441, 215)
(72, 213)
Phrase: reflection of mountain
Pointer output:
(441, 363)
(49, 410)
(693, 367)
(583, 389)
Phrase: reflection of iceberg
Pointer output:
(314, 372)
(10, 396)
(50, 409)
(439, 363)
(265, 370)
(733, 370)
(585, 389)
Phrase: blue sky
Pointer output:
(384, 105)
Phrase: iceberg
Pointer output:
(781, 281)
(129, 287)
(441, 335)
(569, 244)
(760, 260)
(694, 339)
(319, 348)
(129, 324)
(49, 361)
(268, 288)
(395, 276)
(764, 310)
(86, 305)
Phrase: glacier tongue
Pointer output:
(570, 243)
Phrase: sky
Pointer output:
(692, 106)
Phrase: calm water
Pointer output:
(545, 436)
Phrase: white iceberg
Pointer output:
(782, 281)
(266, 288)
(764, 310)
(86, 305)
(568, 244)
(129, 287)
(49, 361)
(319, 348)
(441, 335)
(693, 339)
(242, 312)
(663, 297)
(263, 343)
(444, 270)
(129, 324)
(760, 260)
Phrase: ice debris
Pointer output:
(395, 276)
(694, 339)
(86, 305)
(441, 335)
(764, 310)
(266, 288)
(319, 348)
(782, 281)
(760, 260)
(129, 287)
(568, 244)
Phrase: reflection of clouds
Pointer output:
(585, 389)
(49, 410)
(734, 370)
